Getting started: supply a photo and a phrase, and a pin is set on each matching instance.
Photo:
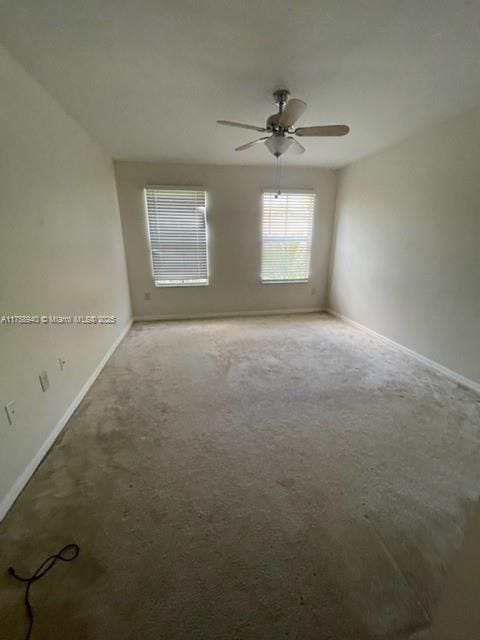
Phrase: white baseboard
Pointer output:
(229, 314)
(436, 366)
(7, 502)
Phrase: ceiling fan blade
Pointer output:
(328, 130)
(250, 144)
(292, 112)
(229, 123)
(296, 147)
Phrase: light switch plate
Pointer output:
(44, 381)
(61, 363)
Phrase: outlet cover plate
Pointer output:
(44, 381)
(10, 411)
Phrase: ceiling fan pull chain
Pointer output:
(278, 175)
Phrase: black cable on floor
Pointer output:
(67, 554)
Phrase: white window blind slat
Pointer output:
(178, 236)
(286, 236)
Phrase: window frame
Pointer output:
(174, 285)
(299, 191)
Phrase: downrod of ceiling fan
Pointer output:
(281, 97)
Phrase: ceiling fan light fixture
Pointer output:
(277, 145)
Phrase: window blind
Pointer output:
(178, 236)
(286, 236)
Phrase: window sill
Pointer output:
(181, 286)
(303, 281)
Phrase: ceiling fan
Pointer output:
(281, 128)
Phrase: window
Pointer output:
(178, 236)
(286, 236)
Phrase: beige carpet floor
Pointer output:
(248, 479)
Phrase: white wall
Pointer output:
(61, 252)
(457, 615)
(234, 219)
(406, 257)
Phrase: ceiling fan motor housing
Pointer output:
(272, 122)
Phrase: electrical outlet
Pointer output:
(44, 381)
(61, 363)
(10, 411)
(148, 296)
(314, 291)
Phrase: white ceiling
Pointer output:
(148, 78)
